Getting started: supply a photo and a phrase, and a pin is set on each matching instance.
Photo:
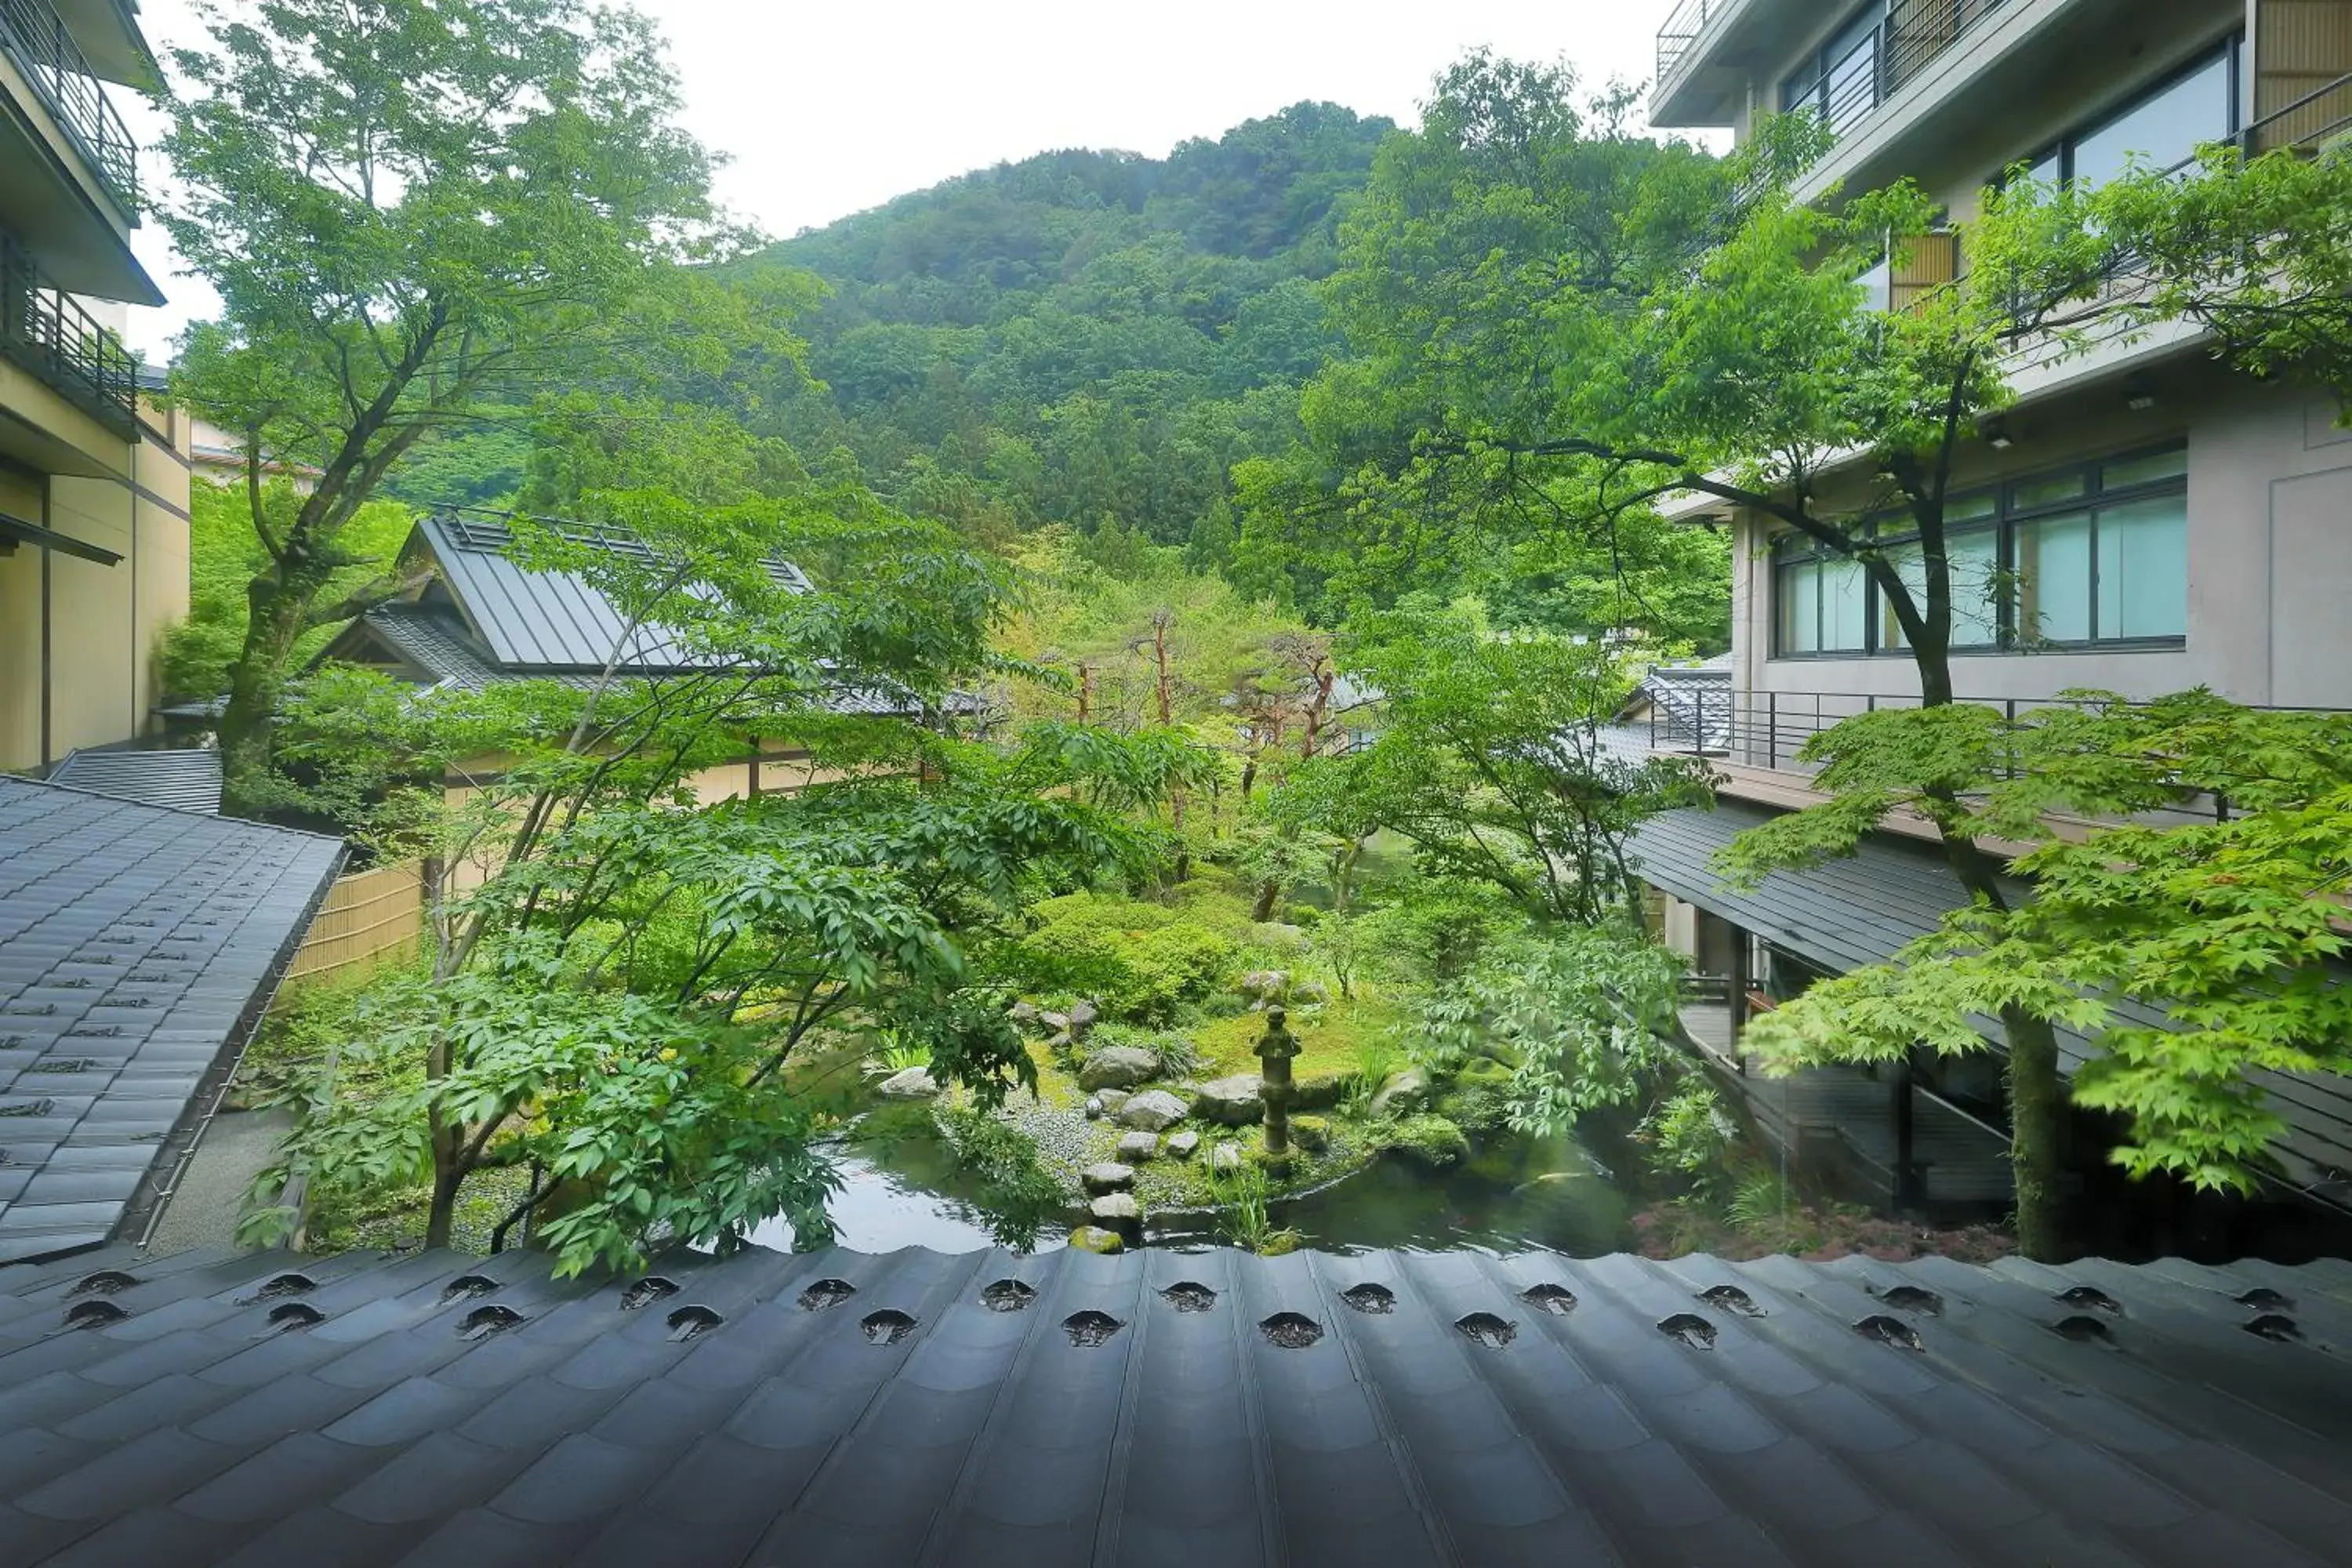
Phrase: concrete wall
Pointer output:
(2270, 553)
(103, 623)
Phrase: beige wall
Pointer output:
(103, 621)
(2270, 555)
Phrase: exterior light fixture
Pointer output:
(2138, 395)
(1996, 434)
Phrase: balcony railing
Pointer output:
(1755, 729)
(1915, 33)
(34, 39)
(1681, 30)
(43, 330)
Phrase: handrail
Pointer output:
(1681, 30)
(44, 330)
(33, 36)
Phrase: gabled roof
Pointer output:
(185, 780)
(487, 619)
(137, 944)
(536, 621)
(1210, 1409)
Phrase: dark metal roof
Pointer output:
(135, 942)
(441, 649)
(1207, 1408)
(533, 620)
(187, 780)
(1849, 912)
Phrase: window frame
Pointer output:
(1813, 72)
(1787, 547)
(2060, 149)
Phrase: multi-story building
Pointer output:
(2156, 520)
(93, 480)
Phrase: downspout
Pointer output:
(47, 699)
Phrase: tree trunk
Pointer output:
(2037, 1089)
(448, 1177)
(279, 608)
(1267, 892)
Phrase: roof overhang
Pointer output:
(16, 530)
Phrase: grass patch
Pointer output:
(1332, 1039)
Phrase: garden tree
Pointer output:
(409, 211)
(1585, 1012)
(1489, 247)
(1490, 761)
(620, 994)
(2201, 956)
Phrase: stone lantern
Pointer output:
(1275, 1049)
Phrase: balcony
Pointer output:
(34, 38)
(44, 332)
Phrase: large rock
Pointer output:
(1119, 1067)
(1093, 1238)
(1319, 1091)
(1262, 988)
(1404, 1094)
(915, 1083)
(1093, 1108)
(1107, 1177)
(1234, 1102)
(1182, 1144)
(1117, 1210)
(1022, 1012)
(1111, 1099)
(1151, 1111)
(1137, 1147)
(1430, 1141)
(1082, 1018)
(1311, 1133)
(1227, 1157)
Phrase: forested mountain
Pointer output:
(1087, 337)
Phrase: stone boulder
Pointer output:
(1115, 1212)
(1182, 1144)
(1311, 1133)
(1151, 1111)
(1107, 1177)
(1023, 1014)
(1235, 1102)
(1120, 1066)
(1093, 1238)
(1082, 1018)
(1093, 1108)
(915, 1083)
(1316, 1092)
(1137, 1147)
(1404, 1094)
(1309, 993)
(1261, 987)
(1227, 1157)
(1110, 1100)
(1430, 1141)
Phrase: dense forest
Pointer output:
(1085, 337)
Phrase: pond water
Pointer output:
(1515, 1194)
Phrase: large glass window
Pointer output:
(1840, 82)
(2096, 553)
(2160, 129)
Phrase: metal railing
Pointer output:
(1681, 30)
(1849, 89)
(44, 330)
(35, 39)
(1766, 729)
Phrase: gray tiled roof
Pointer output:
(133, 941)
(1209, 1409)
(1848, 913)
(185, 780)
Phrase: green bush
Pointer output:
(1140, 962)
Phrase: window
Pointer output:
(1840, 81)
(2162, 128)
(2097, 553)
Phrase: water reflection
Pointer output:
(881, 1210)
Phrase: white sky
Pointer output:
(827, 108)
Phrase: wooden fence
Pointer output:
(367, 916)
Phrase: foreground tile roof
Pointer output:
(1209, 1409)
(136, 942)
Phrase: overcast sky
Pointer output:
(828, 109)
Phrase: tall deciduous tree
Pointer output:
(408, 209)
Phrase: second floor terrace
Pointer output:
(46, 333)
